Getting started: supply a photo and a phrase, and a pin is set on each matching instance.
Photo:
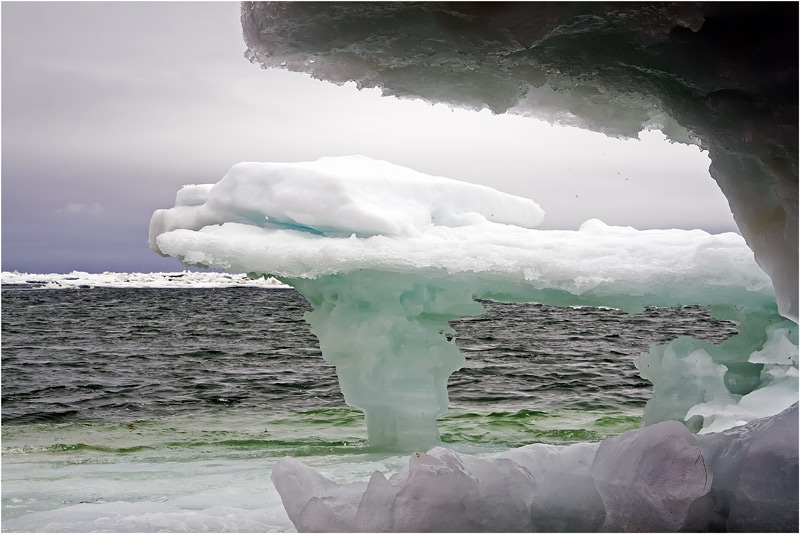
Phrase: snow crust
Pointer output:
(660, 478)
(665, 267)
(341, 197)
(382, 302)
(81, 279)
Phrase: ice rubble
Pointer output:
(660, 478)
(720, 74)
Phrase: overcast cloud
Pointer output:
(108, 108)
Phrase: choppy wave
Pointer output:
(112, 354)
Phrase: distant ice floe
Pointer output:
(81, 279)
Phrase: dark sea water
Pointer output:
(211, 385)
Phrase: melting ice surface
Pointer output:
(388, 256)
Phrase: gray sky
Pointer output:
(108, 108)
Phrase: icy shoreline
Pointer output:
(185, 279)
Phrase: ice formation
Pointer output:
(720, 74)
(384, 285)
(386, 267)
(661, 478)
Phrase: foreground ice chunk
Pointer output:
(658, 478)
(315, 503)
(441, 491)
(564, 498)
(755, 487)
(648, 478)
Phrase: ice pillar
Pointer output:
(389, 338)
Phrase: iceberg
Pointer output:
(388, 258)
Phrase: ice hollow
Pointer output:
(723, 75)
(386, 267)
